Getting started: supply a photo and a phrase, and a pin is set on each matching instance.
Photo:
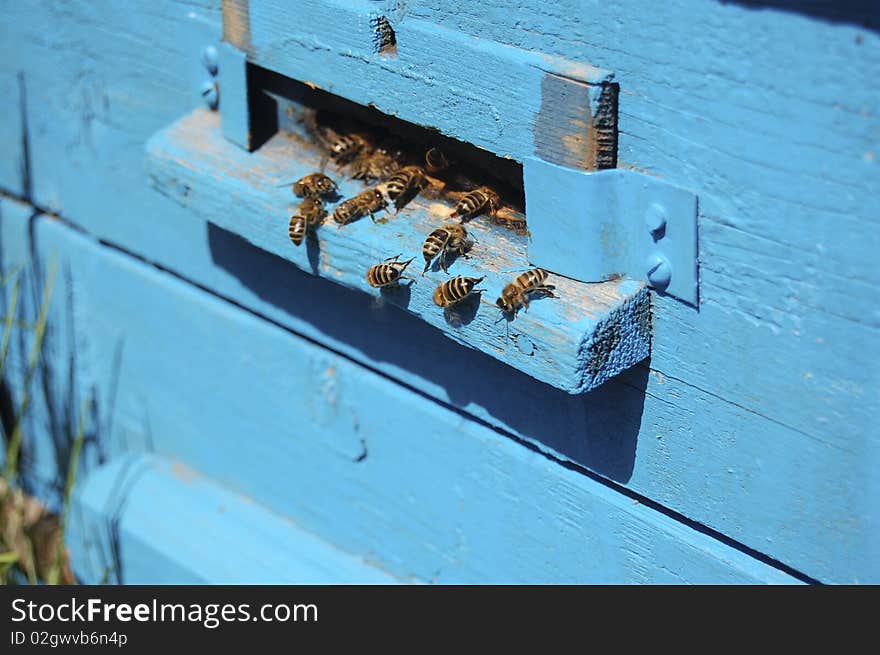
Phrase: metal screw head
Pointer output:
(209, 59)
(659, 272)
(655, 220)
(210, 92)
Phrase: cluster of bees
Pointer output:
(392, 186)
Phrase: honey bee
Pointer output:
(511, 221)
(345, 147)
(314, 185)
(455, 290)
(402, 187)
(366, 202)
(516, 294)
(473, 203)
(377, 164)
(388, 273)
(449, 238)
(309, 213)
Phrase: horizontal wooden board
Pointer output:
(149, 519)
(460, 85)
(354, 457)
(576, 342)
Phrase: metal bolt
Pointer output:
(211, 94)
(659, 272)
(209, 59)
(655, 219)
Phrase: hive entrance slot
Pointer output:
(453, 168)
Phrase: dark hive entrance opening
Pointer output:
(365, 143)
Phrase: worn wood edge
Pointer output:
(163, 511)
(190, 162)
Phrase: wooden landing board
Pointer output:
(588, 335)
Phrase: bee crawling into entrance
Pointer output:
(309, 214)
(448, 238)
(366, 202)
(388, 273)
(482, 200)
(403, 186)
(313, 185)
(516, 294)
(378, 164)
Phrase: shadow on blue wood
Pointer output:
(862, 13)
(611, 413)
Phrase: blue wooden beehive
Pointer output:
(698, 405)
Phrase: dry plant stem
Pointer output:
(72, 464)
(8, 324)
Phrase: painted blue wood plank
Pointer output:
(145, 520)
(420, 489)
(576, 342)
(461, 85)
(13, 163)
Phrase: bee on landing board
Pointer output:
(454, 290)
(403, 186)
(388, 273)
(310, 213)
(516, 294)
(314, 185)
(372, 165)
(479, 201)
(448, 238)
(366, 202)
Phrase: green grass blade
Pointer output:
(14, 446)
(8, 324)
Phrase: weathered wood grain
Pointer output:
(764, 402)
(146, 520)
(518, 103)
(576, 342)
(14, 172)
(421, 490)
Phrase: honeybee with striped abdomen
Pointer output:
(377, 164)
(345, 147)
(314, 185)
(516, 294)
(309, 213)
(388, 273)
(366, 202)
(479, 201)
(402, 187)
(449, 238)
(455, 290)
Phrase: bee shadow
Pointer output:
(398, 294)
(313, 251)
(464, 312)
(451, 258)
